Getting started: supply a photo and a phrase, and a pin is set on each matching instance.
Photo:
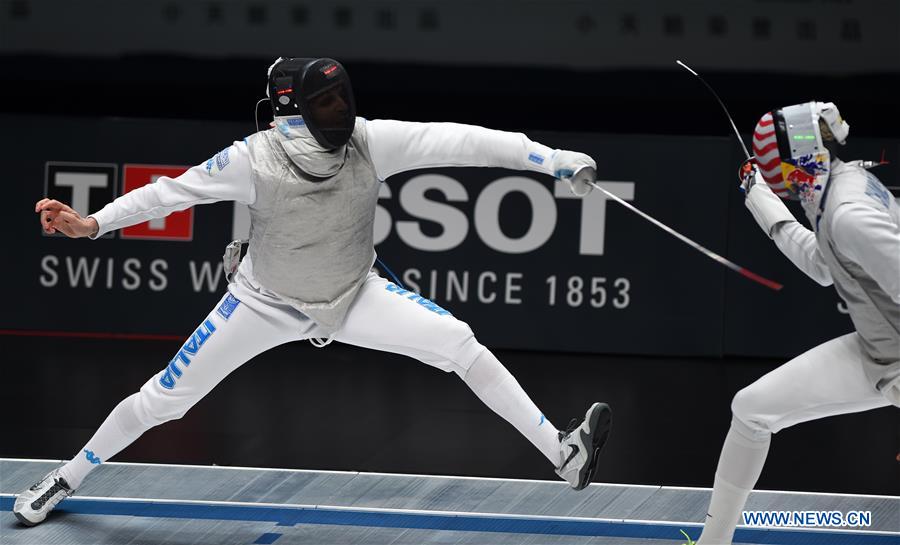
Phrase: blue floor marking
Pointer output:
(266, 539)
(464, 522)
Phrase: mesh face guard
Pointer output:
(800, 146)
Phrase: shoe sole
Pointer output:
(600, 424)
(24, 520)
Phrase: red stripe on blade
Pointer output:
(764, 281)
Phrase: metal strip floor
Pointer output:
(124, 503)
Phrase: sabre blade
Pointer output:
(747, 273)
(722, 104)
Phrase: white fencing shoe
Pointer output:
(33, 505)
(580, 444)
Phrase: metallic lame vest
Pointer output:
(311, 239)
(875, 315)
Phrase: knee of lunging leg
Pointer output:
(461, 347)
(154, 406)
(748, 408)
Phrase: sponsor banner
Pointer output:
(529, 265)
(160, 277)
(514, 254)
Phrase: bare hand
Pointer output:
(57, 216)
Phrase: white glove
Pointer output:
(767, 208)
(576, 169)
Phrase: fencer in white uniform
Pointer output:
(311, 183)
(854, 245)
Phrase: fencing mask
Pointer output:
(791, 148)
(315, 93)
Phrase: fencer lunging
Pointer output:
(311, 184)
(855, 245)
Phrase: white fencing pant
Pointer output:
(825, 381)
(246, 323)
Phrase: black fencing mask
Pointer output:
(318, 90)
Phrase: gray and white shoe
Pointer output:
(580, 444)
(33, 505)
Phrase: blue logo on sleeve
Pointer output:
(228, 305)
(218, 162)
(89, 454)
(536, 158)
(190, 348)
(222, 159)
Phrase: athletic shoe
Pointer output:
(580, 444)
(33, 505)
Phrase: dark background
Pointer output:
(344, 408)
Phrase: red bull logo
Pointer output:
(800, 174)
